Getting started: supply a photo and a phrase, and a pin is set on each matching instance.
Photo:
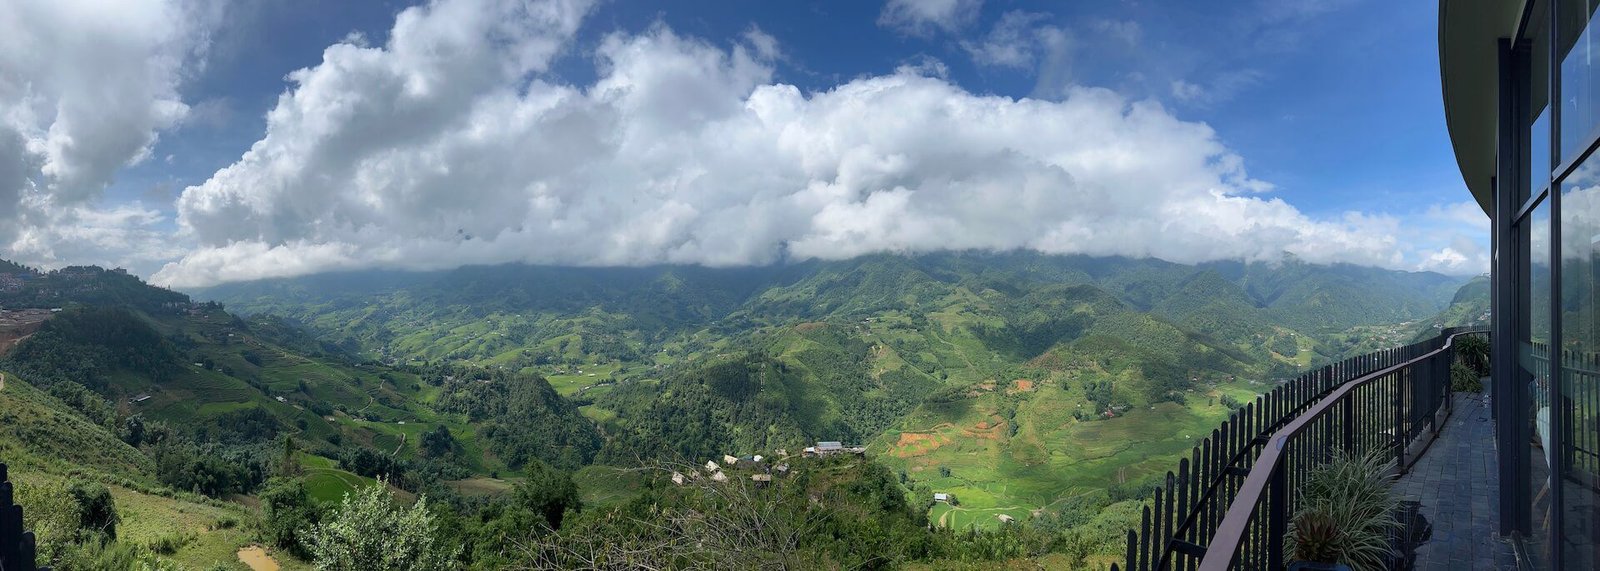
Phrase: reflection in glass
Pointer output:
(1580, 379)
(1535, 361)
(1580, 81)
(1539, 151)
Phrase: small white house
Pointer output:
(720, 477)
(677, 478)
(729, 460)
(1005, 518)
(712, 466)
(757, 458)
(941, 497)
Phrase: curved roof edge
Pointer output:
(1469, 32)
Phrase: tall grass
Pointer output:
(1347, 514)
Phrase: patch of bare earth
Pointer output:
(257, 559)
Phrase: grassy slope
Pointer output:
(44, 442)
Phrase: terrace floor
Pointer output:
(1458, 487)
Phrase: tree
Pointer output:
(287, 514)
(289, 464)
(548, 493)
(133, 430)
(370, 532)
(437, 443)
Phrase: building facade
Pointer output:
(1521, 82)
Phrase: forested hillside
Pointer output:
(1049, 390)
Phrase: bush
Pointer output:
(370, 532)
(100, 552)
(1463, 379)
(170, 543)
(287, 514)
(1347, 513)
(1473, 351)
(97, 511)
(50, 512)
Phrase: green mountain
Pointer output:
(518, 315)
(1043, 388)
(1468, 308)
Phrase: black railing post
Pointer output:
(1347, 422)
(1400, 418)
(1277, 516)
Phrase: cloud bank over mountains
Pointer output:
(453, 143)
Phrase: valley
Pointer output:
(1052, 391)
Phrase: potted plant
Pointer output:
(1346, 517)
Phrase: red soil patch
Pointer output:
(986, 430)
(812, 326)
(920, 443)
(1021, 386)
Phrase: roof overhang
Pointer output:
(1469, 35)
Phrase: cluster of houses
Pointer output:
(762, 468)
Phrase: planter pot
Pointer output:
(1317, 566)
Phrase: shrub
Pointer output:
(170, 543)
(1347, 513)
(287, 513)
(1473, 351)
(50, 512)
(370, 532)
(100, 552)
(97, 511)
(1464, 379)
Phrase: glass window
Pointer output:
(1539, 151)
(1580, 378)
(1535, 361)
(1580, 79)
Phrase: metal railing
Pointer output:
(1580, 400)
(17, 550)
(1228, 505)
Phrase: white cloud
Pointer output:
(1127, 31)
(1454, 238)
(450, 146)
(924, 17)
(86, 88)
(1015, 41)
(130, 235)
(1221, 87)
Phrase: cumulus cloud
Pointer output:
(925, 17)
(1457, 234)
(1015, 41)
(86, 87)
(451, 145)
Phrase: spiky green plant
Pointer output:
(1464, 379)
(1347, 513)
(1473, 351)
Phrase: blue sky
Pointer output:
(1324, 117)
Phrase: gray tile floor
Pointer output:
(1458, 486)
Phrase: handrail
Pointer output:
(1230, 532)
